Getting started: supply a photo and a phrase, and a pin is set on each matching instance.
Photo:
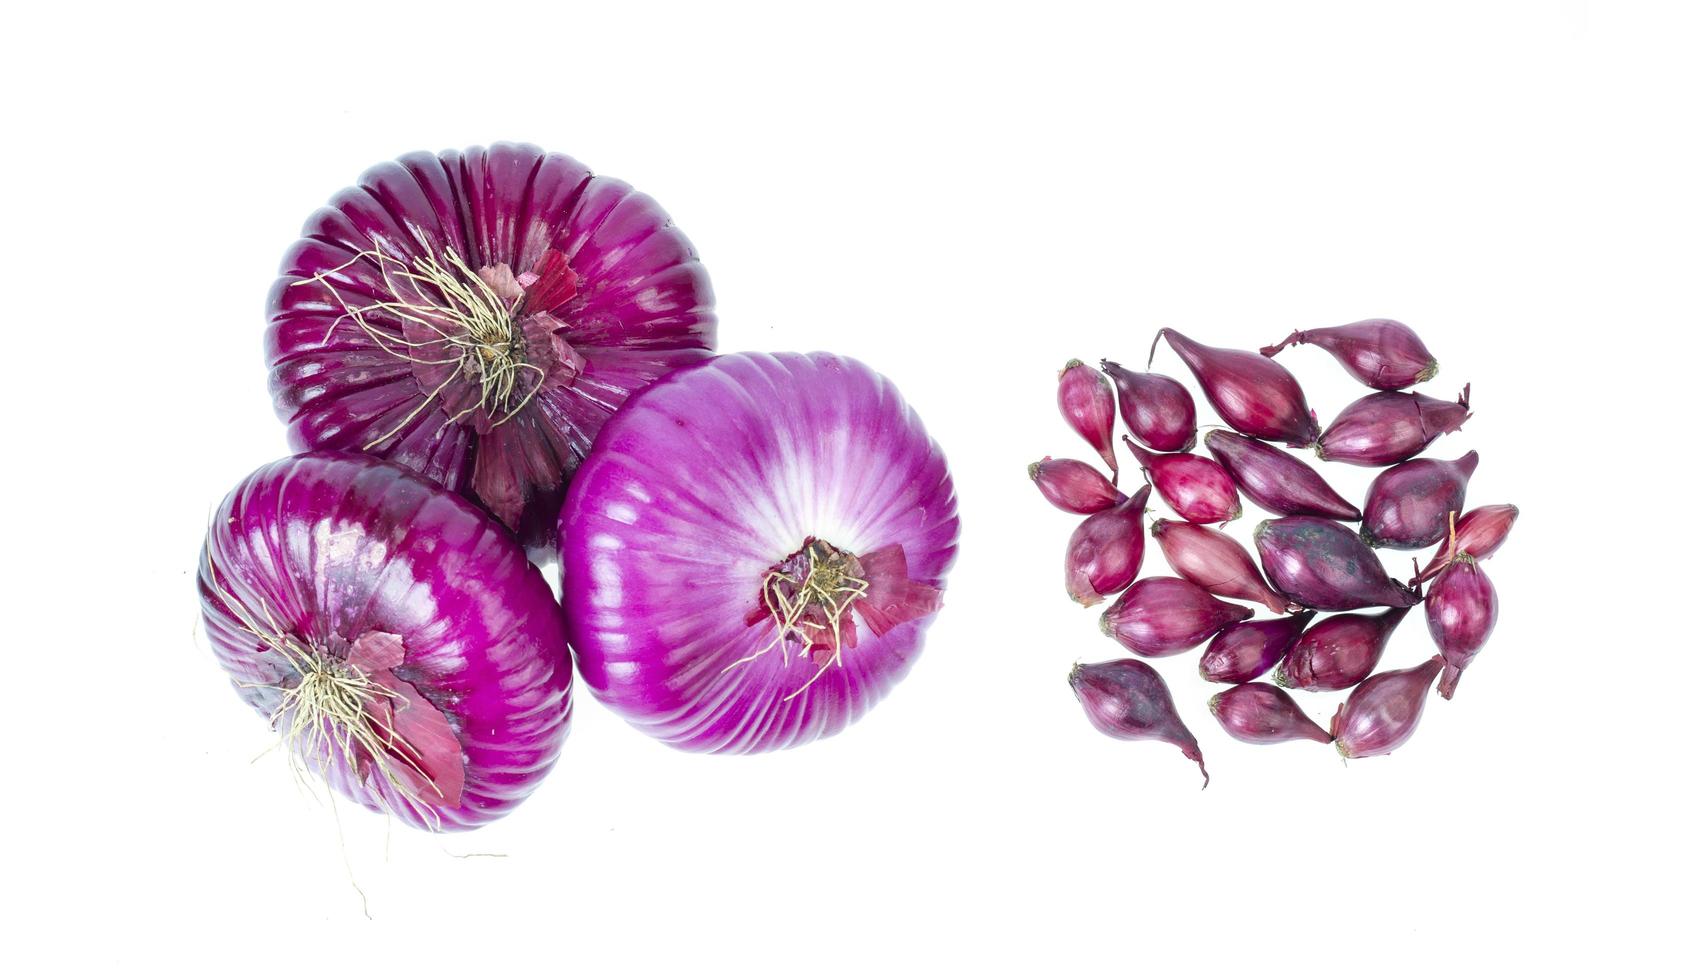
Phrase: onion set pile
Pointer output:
(1310, 561)
(495, 357)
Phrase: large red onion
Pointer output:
(1197, 488)
(1382, 354)
(1340, 652)
(1160, 616)
(1381, 714)
(1460, 611)
(753, 552)
(1479, 533)
(1243, 651)
(1253, 394)
(1086, 402)
(1127, 699)
(1105, 552)
(1323, 565)
(1391, 426)
(1262, 714)
(477, 316)
(1216, 562)
(1277, 481)
(392, 633)
(1408, 505)
(1158, 410)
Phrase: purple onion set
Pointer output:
(1309, 559)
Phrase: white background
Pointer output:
(964, 198)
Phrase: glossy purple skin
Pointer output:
(336, 545)
(1073, 485)
(1158, 410)
(1196, 487)
(1086, 403)
(1340, 652)
(1126, 699)
(1408, 505)
(1216, 562)
(1160, 616)
(1479, 533)
(1277, 481)
(1105, 552)
(1323, 565)
(1382, 354)
(1253, 394)
(1261, 714)
(643, 307)
(694, 491)
(1460, 611)
(1243, 651)
(1391, 426)
(1383, 712)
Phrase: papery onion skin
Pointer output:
(1241, 652)
(1197, 488)
(1323, 565)
(1479, 533)
(1127, 699)
(693, 491)
(1339, 652)
(1408, 505)
(642, 306)
(1216, 562)
(1104, 554)
(1382, 354)
(1460, 611)
(1086, 403)
(335, 546)
(1158, 410)
(1073, 485)
(1382, 713)
(1161, 616)
(1261, 714)
(1390, 427)
(1253, 394)
(1277, 481)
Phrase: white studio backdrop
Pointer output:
(964, 197)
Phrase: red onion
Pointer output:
(1127, 699)
(1408, 505)
(393, 634)
(1158, 410)
(1216, 562)
(1480, 532)
(477, 317)
(1197, 488)
(1262, 714)
(1340, 652)
(1160, 616)
(1243, 651)
(1323, 565)
(1253, 394)
(1382, 713)
(1086, 400)
(1461, 613)
(1383, 354)
(1391, 426)
(753, 552)
(1073, 486)
(1276, 480)
(1105, 552)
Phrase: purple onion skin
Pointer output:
(1391, 426)
(1382, 713)
(1073, 485)
(1158, 410)
(1277, 481)
(1479, 533)
(1216, 562)
(1262, 714)
(1340, 652)
(1197, 488)
(1086, 402)
(1408, 505)
(1160, 616)
(1126, 699)
(1243, 651)
(1323, 565)
(1461, 613)
(1253, 394)
(1382, 354)
(1105, 552)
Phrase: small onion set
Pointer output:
(493, 357)
(1310, 562)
